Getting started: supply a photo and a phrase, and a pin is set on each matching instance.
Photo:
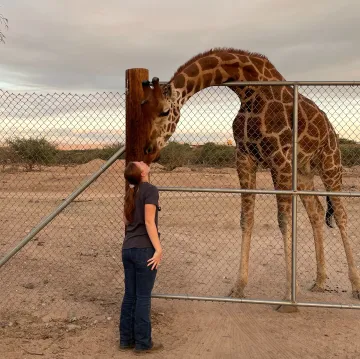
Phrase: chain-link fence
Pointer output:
(201, 229)
(50, 143)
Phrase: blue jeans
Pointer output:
(135, 321)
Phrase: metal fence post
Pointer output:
(294, 195)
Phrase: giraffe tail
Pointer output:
(329, 213)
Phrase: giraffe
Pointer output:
(263, 135)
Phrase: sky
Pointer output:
(85, 46)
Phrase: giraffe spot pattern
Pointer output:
(226, 56)
(275, 119)
(239, 126)
(313, 130)
(250, 73)
(286, 95)
(179, 81)
(258, 104)
(198, 85)
(259, 64)
(310, 111)
(243, 59)
(207, 80)
(308, 144)
(269, 145)
(285, 137)
(218, 76)
(254, 128)
(278, 158)
(192, 70)
(267, 73)
(232, 71)
(276, 92)
(286, 167)
(246, 106)
(208, 63)
(190, 85)
(249, 92)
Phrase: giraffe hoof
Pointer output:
(356, 293)
(287, 309)
(317, 288)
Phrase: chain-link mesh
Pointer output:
(201, 231)
(51, 143)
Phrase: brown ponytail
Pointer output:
(132, 174)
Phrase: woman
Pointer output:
(141, 255)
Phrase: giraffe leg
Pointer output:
(316, 213)
(246, 168)
(332, 180)
(341, 222)
(282, 181)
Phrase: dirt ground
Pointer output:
(60, 295)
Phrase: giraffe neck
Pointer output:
(216, 67)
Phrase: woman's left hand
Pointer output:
(155, 260)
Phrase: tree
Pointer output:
(3, 23)
(33, 151)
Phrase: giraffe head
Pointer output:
(158, 111)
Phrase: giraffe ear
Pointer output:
(147, 91)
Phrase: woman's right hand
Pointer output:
(155, 260)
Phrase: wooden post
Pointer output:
(135, 126)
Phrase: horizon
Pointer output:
(95, 120)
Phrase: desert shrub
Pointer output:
(33, 151)
(78, 157)
(350, 155)
(8, 157)
(110, 150)
(215, 155)
(176, 155)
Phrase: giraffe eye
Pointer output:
(163, 114)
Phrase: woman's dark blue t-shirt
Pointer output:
(136, 235)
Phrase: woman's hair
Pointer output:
(132, 174)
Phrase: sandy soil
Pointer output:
(61, 294)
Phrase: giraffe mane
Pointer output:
(215, 51)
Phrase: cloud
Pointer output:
(87, 45)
